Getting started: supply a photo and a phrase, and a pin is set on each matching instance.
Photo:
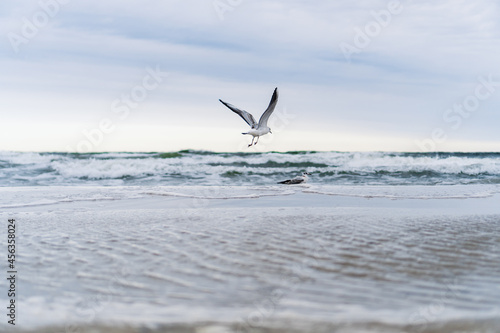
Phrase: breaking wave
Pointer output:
(189, 167)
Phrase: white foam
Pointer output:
(224, 169)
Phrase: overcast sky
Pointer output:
(147, 75)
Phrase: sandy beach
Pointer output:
(257, 259)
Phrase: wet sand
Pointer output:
(104, 259)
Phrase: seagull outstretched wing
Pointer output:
(243, 114)
(265, 116)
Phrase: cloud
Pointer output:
(426, 59)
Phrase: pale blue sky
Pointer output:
(415, 83)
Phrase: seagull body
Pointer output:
(297, 180)
(260, 128)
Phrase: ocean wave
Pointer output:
(190, 167)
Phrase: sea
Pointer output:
(191, 167)
(208, 242)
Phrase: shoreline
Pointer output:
(439, 200)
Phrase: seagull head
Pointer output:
(306, 174)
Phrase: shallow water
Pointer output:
(292, 259)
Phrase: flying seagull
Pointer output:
(260, 128)
(297, 180)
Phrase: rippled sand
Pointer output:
(292, 260)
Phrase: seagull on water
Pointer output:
(297, 180)
(260, 128)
